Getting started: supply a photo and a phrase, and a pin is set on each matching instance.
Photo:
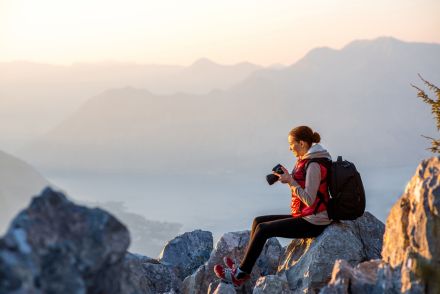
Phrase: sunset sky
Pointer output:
(179, 32)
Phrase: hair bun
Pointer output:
(316, 137)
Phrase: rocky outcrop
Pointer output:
(233, 245)
(187, 252)
(55, 246)
(411, 247)
(412, 235)
(308, 263)
(304, 266)
(221, 288)
(142, 274)
(359, 279)
(272, 284)
(133, 279)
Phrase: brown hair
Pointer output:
(304, 133)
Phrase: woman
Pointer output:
(308, 216)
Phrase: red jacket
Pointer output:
(299, 208)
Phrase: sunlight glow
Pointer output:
(179, 32)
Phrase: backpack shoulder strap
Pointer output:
(327, 163)
(321, 161)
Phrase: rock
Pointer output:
(272, 284)
(233, 244)
(308, 263)
(268, 261)
(134, 278)
(386, 282)
(365, 276)
(340, 281)
(221, 288)
(411, 244)
(412, 235)
(370, 232)
(146, 275)
(187, 252)
(360, 279)
(55, 246)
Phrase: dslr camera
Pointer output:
(271, 178)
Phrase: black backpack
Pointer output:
(347, 201)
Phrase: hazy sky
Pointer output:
(181, 31)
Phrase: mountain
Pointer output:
(19, 182)
(45, 93)
(205, 75)
(359, 98)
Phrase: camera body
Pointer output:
(271, 178)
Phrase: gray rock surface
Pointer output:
(142, 274)
(369, 231)
(233, 244)
(412, 235)
(308, 263)
(221, 288)
(411, 244)
(133, 279)
(272, 284)
(55, 246)
(360, 279)
(187, 252)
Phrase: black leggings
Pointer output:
(267, 226)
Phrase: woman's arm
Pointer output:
(313, 179)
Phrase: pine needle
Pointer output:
(435, 110)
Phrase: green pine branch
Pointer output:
(435, 110)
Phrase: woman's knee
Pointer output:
(257, 220)
(261, 229)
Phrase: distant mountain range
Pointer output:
(36, 97)
(359, 98)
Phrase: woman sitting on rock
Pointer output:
(308, 216)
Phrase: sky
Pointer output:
(179, 32)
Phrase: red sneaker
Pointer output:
(229, 262)
(228, 275)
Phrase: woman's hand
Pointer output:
(285, 177)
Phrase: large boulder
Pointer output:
(308, 263)
(411, 244)
(55, 246)
(412, 235)
(233, 244)
(187, 252)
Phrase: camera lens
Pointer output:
(271, 179)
